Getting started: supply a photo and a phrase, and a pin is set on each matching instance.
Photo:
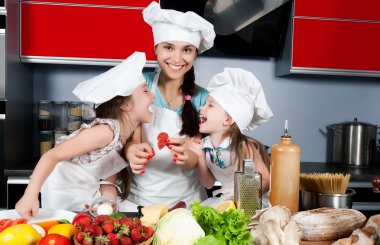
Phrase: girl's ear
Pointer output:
(126, 106)
(229, 121)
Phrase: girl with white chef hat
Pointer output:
(83, 166)
(168, 175)
(236, 102)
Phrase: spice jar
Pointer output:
(74, 123)
(58, 134)
(88, 110)
(75, 108)
(46, 141)
(45, 108)
(60, 115)
(45, 123)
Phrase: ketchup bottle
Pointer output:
(285, 173)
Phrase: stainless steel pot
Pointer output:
(353, 143)
(312, 200)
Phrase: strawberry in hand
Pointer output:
(162, 139)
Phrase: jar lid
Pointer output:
(47, 117)
(46, 132)
(44, 101)
(75, 102)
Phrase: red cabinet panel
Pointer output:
(336, 44)
(83, 32)
(345, 9)
(127, 3)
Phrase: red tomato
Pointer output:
(54, 239)
(5, 223)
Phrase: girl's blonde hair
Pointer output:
(241, 142)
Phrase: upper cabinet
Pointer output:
(337, 37)
(100, 32)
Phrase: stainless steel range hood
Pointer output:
(230, 16)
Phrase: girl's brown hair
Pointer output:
(111, 109)
(237, 138)
(190, 125)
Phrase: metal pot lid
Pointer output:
(357, 123)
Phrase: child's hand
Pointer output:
(196, 146)
(138, 156)
(27, 207)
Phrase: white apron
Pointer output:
(71, 185)
(163, 181)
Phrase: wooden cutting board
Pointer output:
(317, 243)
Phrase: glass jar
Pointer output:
(88, 110)
(58, 134)
(45, 108)
(74, 123)
(45, 123)
(60, 115)
(88, 120)
(75, 108)
(46, 141)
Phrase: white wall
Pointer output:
(309, 102)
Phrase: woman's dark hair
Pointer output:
(190, 124)
(111, 109)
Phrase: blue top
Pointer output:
(198, 99)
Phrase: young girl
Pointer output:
(83, 165)
(169, 176)
(236, 101)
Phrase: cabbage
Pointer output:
(177, 227)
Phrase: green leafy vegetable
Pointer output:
(228, 227)
(210, 239)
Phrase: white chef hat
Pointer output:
(240, 94)
(172, 25)
(121, 80)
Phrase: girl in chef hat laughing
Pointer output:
(236, 102)
(84, 165)
(169, 176)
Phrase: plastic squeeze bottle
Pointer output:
(285, 173)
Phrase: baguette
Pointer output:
(324, 224)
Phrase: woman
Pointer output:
(168, 175)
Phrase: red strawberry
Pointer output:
(124, 230)
(88, 240)
(137, 224)
(79, 237)
(114, 239)
(135, 235)
(89, 229)
(102, 240)
(127, 221)
(125, 241)
(146, 234)
(101, 218)
(98, 231)
(162, 140)
(108, 226)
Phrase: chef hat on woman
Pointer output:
(121, 80)
(240, 94)
(172, 25)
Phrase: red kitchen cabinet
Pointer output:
(322, 43)
(82, 34)
(119, 3)
(341, 9)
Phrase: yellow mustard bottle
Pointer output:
(285, 173)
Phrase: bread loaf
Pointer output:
(324, 224)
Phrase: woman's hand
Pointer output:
(28, 206)
(138, 156)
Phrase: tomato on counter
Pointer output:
(54, 239)
(5, 223)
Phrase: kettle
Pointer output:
(353, 143)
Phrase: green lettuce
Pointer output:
(229, 226)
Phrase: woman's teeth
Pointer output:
(150, 108)
(175, 67)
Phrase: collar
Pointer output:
(207, 144)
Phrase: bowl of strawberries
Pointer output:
(105, 229)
